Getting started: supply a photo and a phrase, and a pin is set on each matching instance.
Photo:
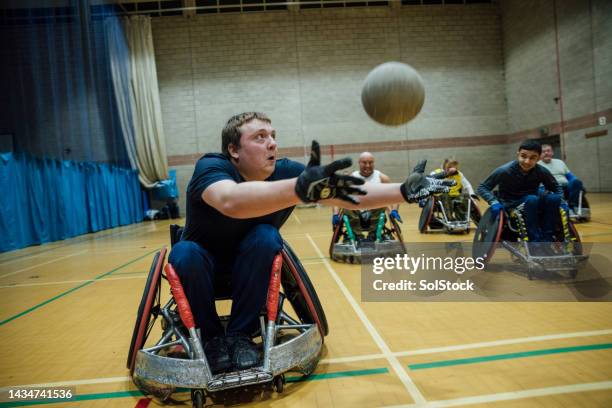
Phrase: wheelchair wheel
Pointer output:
(148, 309)
(300, 292)
(475, 213)
(176, 231)
(487, 236)
(336, 235)
(397, 231)
(426, 214)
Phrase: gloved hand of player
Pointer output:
(335, 219)
(418, 186)
(394, 214)
(496, 208)
(321, 182)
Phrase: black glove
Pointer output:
(321, 182)
(418, 186)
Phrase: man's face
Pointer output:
(256, 156)
(366, 166)
(527, 159)
(547, 154)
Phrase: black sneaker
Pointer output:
(244, 352)
(217, 354)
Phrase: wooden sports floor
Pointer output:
(67, 311)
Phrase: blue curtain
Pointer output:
(47, 200)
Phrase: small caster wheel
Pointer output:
(197, 398)
(279, 383)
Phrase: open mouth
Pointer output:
(271, 158)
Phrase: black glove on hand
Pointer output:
(321, 182)
(418, 186)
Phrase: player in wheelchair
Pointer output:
(573, 189)
(450, 211)
(534, 226)
(354, 229)
(231, 248)
(358, 229)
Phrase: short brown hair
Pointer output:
(231, 133)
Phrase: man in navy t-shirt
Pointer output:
(236, 203)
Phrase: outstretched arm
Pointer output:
(252, 198)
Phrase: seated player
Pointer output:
(368, 173)
(572, 186)
(455, 200)
(237, 201)
(518, 182)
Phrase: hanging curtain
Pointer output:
(47, 200)
(134, 78)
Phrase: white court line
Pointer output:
(393, 361)
(41, 264)
(469, 346)
(72, 281)
(297, 218)
(514, 395)
(360, 358)
(23, 257)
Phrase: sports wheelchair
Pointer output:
(581, 213)
(290, 341)
(509, 230)
(369, 229)
(451, 216)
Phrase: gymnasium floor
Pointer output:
(67, 311)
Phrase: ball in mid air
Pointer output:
(393, 93)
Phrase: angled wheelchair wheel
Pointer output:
(397, 231)
(475, 213)
(148, 310)
(574, 237)
(336, 235)
(176, 231)
(300, 292)
(487, 235)
(426, 214)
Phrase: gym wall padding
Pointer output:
(46, 200)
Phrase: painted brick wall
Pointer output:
(305, 69)
(582, 78)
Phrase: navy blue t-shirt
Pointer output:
(514, 184)
(214, 231)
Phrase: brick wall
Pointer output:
(581, 80)
(305, 69)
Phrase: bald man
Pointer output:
(368, 173)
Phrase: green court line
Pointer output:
(338, 374)
(507, 356)
(137, 393)
(25, 312)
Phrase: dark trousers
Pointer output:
(541, 216)
(250, 275)
(572, 191)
